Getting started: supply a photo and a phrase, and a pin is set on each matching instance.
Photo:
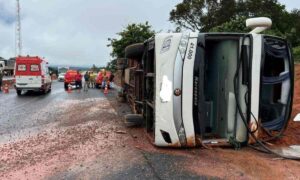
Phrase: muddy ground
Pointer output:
(84, 137)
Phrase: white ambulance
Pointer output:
(32, 74)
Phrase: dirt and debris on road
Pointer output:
(245, 163)
(88, 140)
(77, 137)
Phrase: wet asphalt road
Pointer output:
(75, 135)
(81, 135)
(33, 111)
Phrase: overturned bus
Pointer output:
(191, 89)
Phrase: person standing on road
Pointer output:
(111, 80)
(104, 80)
(1, 77)
(86, 81)
(78, 80)
(92, 79)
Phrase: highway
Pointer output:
(81, 135)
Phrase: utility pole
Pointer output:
(18, 35)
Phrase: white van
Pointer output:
(32, 74)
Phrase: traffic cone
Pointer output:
(6, 89)
(69, 88)
(106, 90)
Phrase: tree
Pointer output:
(94, 68)
(133, 33)
(268, 8)
(293, 33)
(230, 16)
(202, 15)
(112, 65)
(189, 14)
(235, 25)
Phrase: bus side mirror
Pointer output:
(259, 24)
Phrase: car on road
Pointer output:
(61, 77)
(70, 78)
(191, 89)
(32, 74)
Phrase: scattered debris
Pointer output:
(291, 151)
(120, 132)
(297, 118)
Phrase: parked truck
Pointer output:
(192, 89)
(7, 66)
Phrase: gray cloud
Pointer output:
(75, 32)
(6, 17)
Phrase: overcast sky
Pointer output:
(75, 32)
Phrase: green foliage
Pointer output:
(94, 68)
(112, 65)
(133, 33)
(293, 33)
(188, 13)
(202, 15)
(235, 25)
(230, 16)
(296, 53)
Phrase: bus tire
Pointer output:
(134, 51)
(133, 120)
